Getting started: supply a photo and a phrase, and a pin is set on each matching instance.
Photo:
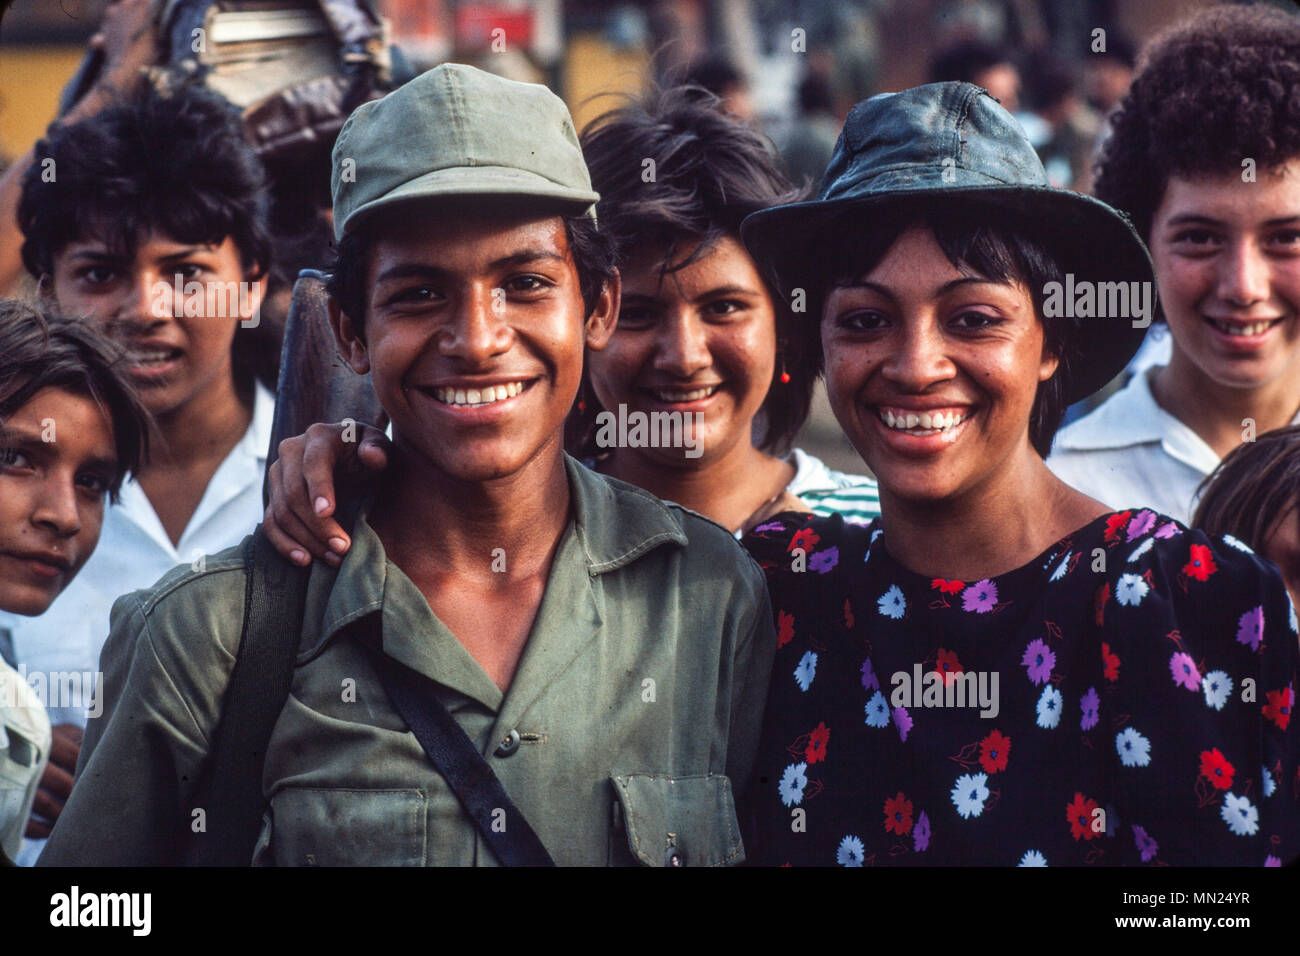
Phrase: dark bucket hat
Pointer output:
(953, 141)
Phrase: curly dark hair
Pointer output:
(710, 172)
(1219, 88)
(176, 164)
(40, 350)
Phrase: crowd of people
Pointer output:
(490, 635)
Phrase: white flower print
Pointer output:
(1130, 590)
(1217, 685)
(1049, 708)
(1033, 858)
(1269, 783)
(892, 604)
(1239, 545)
(969, 794)
(792, 783)
(806, 670)
(1239, 814)
(1141, 549)
(1134, 749)
(878, 711)
(850, 852)
(1061, 568)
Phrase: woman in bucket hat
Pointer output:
(1000, 670)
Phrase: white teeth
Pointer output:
(151, 357)
(1253, 328)
(672, 395)
(478, 396)
(922, 423)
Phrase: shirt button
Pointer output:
(674, 857)
(509, 744)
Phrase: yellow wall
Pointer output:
(592, 66)
(31, 78)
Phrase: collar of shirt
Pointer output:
(1131, 417)
(244, 466)
(613, 525)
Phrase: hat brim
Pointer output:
(1094, 241)
(461, 181)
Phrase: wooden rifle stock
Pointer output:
(315, 385)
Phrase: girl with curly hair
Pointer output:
(1205, 158)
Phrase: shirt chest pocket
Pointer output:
(675, 821)
(327, 827)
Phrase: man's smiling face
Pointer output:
(474, 335)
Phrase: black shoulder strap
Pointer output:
(505, 829)
(230, 793)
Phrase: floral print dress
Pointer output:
(1123, 699)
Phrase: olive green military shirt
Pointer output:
(636, 704)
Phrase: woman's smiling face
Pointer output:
(698, 339)
(932, 371)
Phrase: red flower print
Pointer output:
(804, 538)
(784, 628)
(948, 665)
(1279, 706)
(947, 587)
(1111, 661)
(1114, 525)
(848, 613)
(1080, 815)
(1216, 769)
(817, 741)
(1103, 595)
(993, 752)
(1200, 564)
(898, 815)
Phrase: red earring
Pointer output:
(785, 376)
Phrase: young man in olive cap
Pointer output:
(607, 653)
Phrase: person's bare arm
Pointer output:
(129, 40)
(299, 519)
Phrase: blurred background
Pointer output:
(792, 68)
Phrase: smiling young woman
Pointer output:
(700, 333)
(999, 670)
(1205, 157)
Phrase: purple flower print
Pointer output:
(869, 679)
(1089, 703)
(1250, 628)
(1039, 660)
(921, 833)
(1146, 846)
(1141, 524)
(770, 526)
(823, 561)
(902, 721)
(1184, 670)
(1167, 530)
(981, 597)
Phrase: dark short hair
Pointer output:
(1255, 485)
(176, 164)
(1213, 91)
(987, 241)
(710, 172)
(40, 350)
(592, 250)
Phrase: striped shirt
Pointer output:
(828, 492)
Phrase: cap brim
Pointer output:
(463, 181)
(1096, 243)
